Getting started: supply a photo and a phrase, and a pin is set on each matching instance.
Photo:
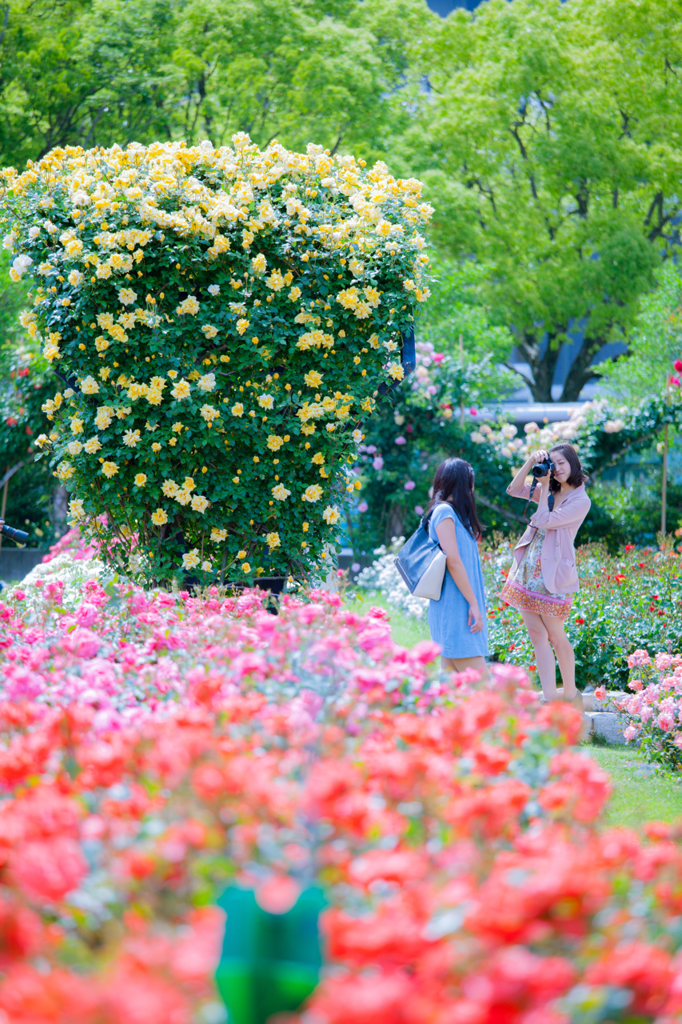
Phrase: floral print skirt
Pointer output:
(525, 588)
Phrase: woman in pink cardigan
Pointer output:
(543, 577)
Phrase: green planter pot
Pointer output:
(270, 963)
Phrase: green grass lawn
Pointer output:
(637, 795)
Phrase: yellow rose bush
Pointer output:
(221, 320)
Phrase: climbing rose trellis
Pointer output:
(222, 319)
(154, 746)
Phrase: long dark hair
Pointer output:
(578, 475)
(454, 484)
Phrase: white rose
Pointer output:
(21, 264)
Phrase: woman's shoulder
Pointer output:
(443, 510)
(579, 493)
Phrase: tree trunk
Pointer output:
(542, 363)
(580, 373)
(395, 524)
(543, 366)
(60, 509)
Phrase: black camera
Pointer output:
(542, 468)
(16, 535)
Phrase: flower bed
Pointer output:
(653, 712)
(157, 746)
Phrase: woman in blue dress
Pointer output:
(458, 620)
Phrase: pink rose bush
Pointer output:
(654, 711)
(156, 746)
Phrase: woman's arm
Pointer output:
(447, 538)
(518, 488)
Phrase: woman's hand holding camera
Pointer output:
(541, 455)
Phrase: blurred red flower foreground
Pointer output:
(156, 747)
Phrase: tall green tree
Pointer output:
(551, 145)
(85, 72)
(298, 70)
(98, 72)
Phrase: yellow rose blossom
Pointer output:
(140, 479)
(312, 493)
(200, 503)
(280, 492)
(313, 379)
(159, 518)
(182, 389)
(218, 536)
(188, 306)
(109, 469)
(237, 409)
(76, 510)
(191, 559)
(92, 446)
(272, 540)
(246, 567)
(274, 443)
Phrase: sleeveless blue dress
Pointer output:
(448, 618)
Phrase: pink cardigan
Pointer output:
(557, 560)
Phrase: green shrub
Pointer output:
(224, 319)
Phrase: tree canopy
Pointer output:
(655, 342)
(551, 144)
(96, 72)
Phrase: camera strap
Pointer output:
(550, 499)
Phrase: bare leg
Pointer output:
(564, 653)
(459, 664)
(544, 655)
